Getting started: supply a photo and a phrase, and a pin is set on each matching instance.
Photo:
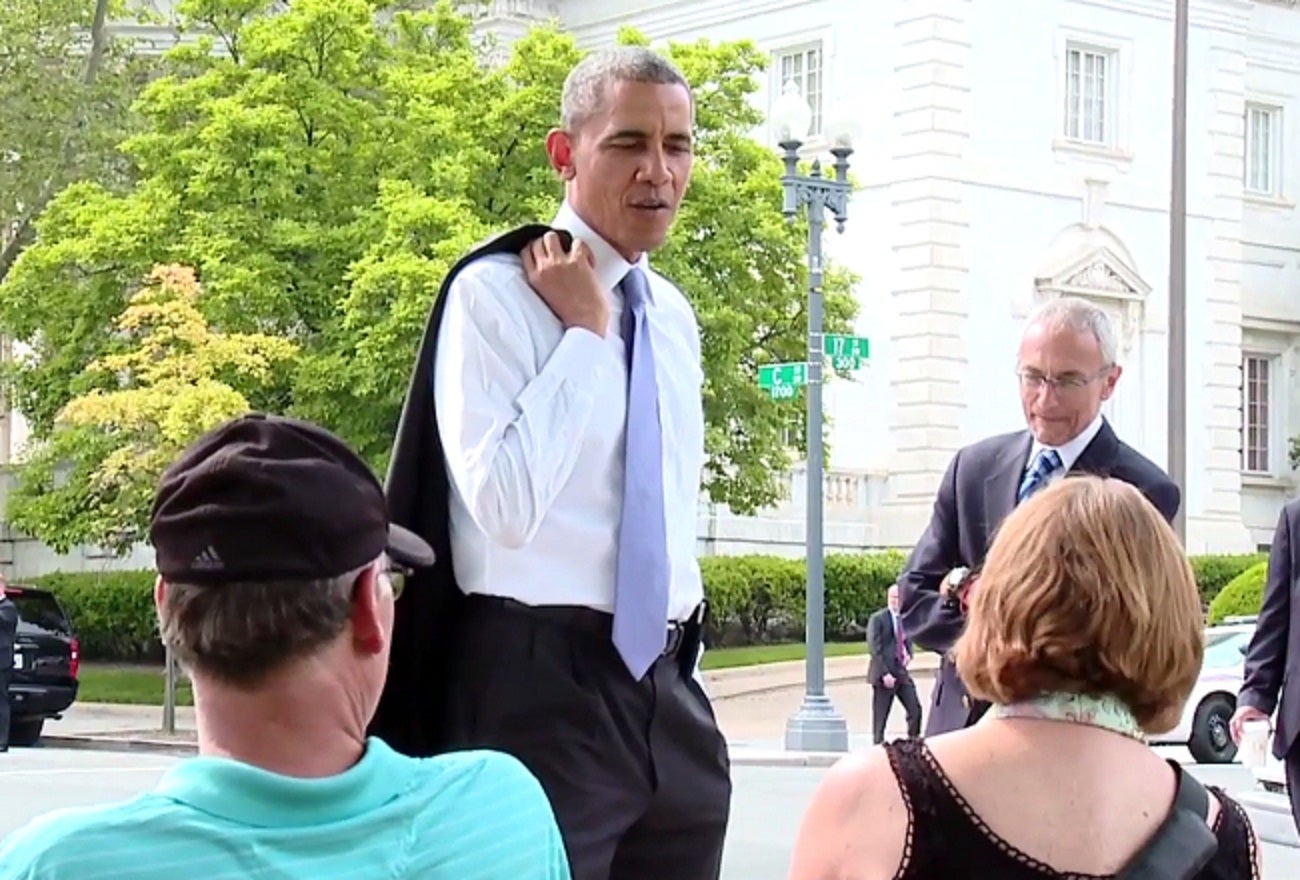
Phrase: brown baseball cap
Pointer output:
(268, 498)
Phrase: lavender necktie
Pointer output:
(641, 597)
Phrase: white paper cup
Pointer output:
(1253, 749)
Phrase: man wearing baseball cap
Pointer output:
(278, 573)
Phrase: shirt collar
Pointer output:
(1070, 450)
(610, 265)
(248, 795)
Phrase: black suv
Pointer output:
(46, 661)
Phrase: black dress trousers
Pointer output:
(636, 771)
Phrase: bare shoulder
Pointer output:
(856, 825)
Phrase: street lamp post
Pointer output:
(1177, 413)
(816, 726)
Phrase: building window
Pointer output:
(1263, 150)
(1256, 413)
(1090, 77)
(803, 67)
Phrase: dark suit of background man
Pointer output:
(566, 394)
(891, 652)
(1066, 367)
(8, 634)
(1273, 659)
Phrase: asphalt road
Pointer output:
(767, 805)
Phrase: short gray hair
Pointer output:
(240, 633)
(1082, 316)
(590, 79)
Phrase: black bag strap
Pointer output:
(1184, 843)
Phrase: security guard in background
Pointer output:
(8, 632)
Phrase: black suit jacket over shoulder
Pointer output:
(977, 492)
(412, 709)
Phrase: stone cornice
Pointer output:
(681, 16)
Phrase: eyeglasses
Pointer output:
(1070, 383)
(397, 576)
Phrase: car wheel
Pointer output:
(25, 731)
(1211, 741)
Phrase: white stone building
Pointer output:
(1012, 150)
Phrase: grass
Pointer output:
(144, 685)
(754, 655)
(140, 685)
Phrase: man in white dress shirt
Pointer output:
(567, 396)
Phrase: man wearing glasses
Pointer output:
(276, 591)
(1066, 367)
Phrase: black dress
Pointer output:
(946, 840)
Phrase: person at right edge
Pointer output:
(8, 634)
(567, 397)
(1067, 366)
(1273, 659)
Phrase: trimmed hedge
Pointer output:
(1214, 572)
(757, 599)
(1243, 595)
(112, 613)
(753, 599)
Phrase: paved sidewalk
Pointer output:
(752, 703)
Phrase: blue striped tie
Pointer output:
(1046, 463)
(641, 592)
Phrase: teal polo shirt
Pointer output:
(463, 816)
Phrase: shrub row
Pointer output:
(112, 612)
(1243, 595)
(754, 599)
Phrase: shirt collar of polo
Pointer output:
(249, 795)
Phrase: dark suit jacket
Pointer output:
(978, 491)
(884, 647)
(1273, 659)
(411, 712)
(8, 634)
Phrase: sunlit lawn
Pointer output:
(144, 685)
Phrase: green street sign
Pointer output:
(783, 380)
(846, 352)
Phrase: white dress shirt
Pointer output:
(532, 420)
(1069, 451)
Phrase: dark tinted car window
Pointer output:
(40, 612)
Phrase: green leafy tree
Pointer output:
(324, 170)
(174, 378)
(66, 87)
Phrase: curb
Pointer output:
(922, 673)
(741, 756)
(845, 669)
(99, 743)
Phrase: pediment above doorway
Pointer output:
(1092, 263)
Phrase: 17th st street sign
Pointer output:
(782, 381)
(846, 352)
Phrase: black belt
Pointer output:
(584, 619)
